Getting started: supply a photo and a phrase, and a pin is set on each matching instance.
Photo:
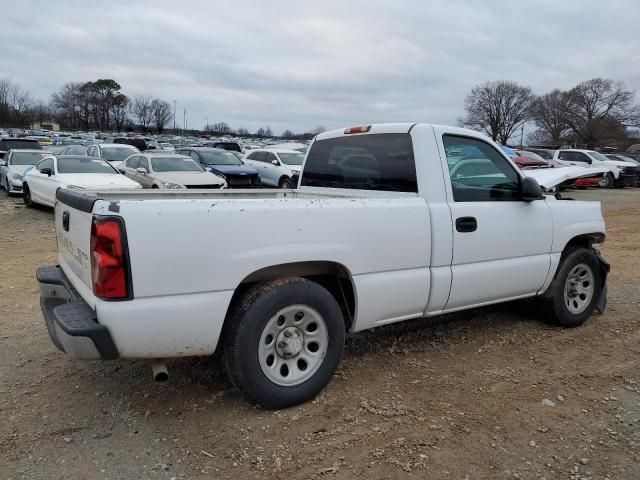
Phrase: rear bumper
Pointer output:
(72, 324)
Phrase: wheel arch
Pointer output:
(333, 276)
(583, 240)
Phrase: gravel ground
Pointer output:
(490, 393)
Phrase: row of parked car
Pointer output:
(37, 174)
(617, 170)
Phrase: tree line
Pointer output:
(101, 105)
(592, 113)
(96, 105)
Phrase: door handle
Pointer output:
(65, 220)
(466, 224)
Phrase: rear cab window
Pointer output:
(366, 162)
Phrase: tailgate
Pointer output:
(73, 233)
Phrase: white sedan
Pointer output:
(13, 166)
(73, 171)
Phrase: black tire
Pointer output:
(26, 196)
(244, 327)
(6, 186)
(554, 299)
(285, 183)
(607, 181)
(155, 186)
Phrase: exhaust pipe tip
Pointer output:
(160, 371)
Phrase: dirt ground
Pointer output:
(491, 393)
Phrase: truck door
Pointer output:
(501, 243)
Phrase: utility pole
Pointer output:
(184, 120)
(174, 117)
(521, 134)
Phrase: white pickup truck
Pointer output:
(390, 222)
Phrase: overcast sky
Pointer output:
(301, 64)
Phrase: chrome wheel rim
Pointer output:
(293, 345)
(579, 288)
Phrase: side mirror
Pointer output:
(531, 190)
(141, 171)
(46, 171)
(275, 162)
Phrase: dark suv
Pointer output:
(7, 144)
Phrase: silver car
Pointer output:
(169, 170)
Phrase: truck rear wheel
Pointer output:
(571, 298)
(284, 341)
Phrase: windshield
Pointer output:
(84, 165)
(117, 154)
(219, 158)
(26, 158)
(175, 164)
(291, 158)
(598, 156)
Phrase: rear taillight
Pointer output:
(361, 129)
(109, 259)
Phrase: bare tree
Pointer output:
(552, 113)
(220, 128)
(497, 108)
(243, 132)
(120, 110)
(141, 110)
(161, 113)
(595, 104)
(318, 130)
(288, 134)
(539, 137)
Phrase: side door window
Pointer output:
(566, 156)
(259, 156)
(581, 157)
(270, 157)
(195, 156)
(47, 163)
(144, 163)
(479, 173)
(133, 162)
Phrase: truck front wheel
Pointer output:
(572, 296)
(284, 341)
(606, 181)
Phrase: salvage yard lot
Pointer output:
(453, 398)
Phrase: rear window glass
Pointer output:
(365, 162)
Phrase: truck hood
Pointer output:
(189, 178)
(96, 181)
(550, 177)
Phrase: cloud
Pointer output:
(300, 64)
